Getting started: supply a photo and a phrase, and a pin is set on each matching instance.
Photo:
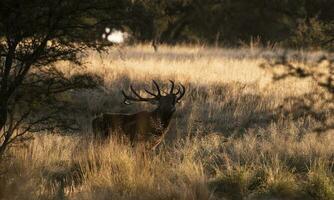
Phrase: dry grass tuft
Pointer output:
(236, 135)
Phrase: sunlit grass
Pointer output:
(228, 138)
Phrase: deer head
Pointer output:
(166, 103)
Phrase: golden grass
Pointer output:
(228, 139)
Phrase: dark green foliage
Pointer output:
(295, 23)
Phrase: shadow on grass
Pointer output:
(229, 109)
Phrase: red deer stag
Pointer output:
(143, 127)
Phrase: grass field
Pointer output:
(236, 135)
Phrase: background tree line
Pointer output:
(292, 23)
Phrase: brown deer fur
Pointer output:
(146, 127)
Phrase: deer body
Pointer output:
(148, 127)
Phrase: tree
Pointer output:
(231, 22)
(318, 104)
(157, 21)
(34, 35)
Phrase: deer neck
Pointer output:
(163, 116)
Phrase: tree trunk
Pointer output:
(3, 119)
(155, 45)
(3, 115)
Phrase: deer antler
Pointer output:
(140, 98)
(172, 88)
(181, 92)
(158, 89)
(157, 86)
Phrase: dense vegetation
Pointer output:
(235, 135)
(301, 23)
(293, 23)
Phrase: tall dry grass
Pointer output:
(236, 135)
